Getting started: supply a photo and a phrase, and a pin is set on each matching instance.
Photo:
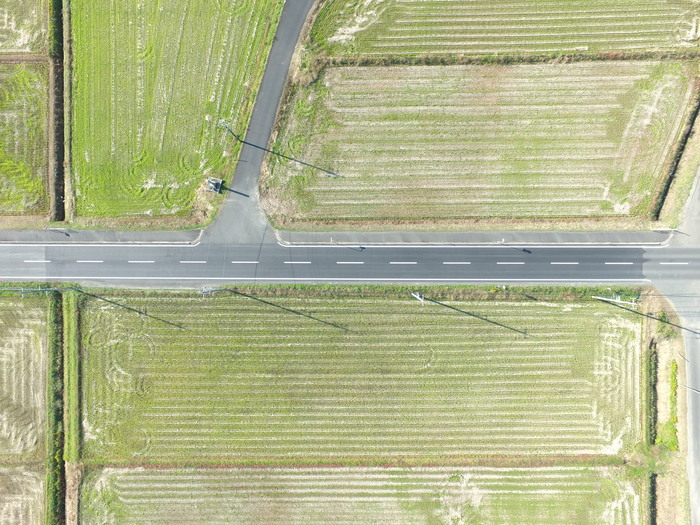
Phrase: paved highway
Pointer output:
(151, 265)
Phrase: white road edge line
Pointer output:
(455, 262)
(87, 261)
(141, 262)
(619, 263)
(37, 261)
(511, 262)
(349, 262)
(403, 262)
(673, 263)
(193, 262)
(297, 262)
(563, 263)
(244, 262)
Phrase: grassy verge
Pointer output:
(72, 375)
(54, 477)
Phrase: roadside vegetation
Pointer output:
(148, 99)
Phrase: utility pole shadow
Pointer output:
(696, 332)
(236, 292)
(243, 141)
(474, 315)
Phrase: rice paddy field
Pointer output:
(483, 27)
(362, 496)
(23, 327)
(443, 144)
(151, 82)
(23, 139)
(24, 26)
(342, 377)
(21, 496)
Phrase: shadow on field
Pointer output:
(144, 313)
(696, 332)
(474, 315)
(281, 308)
(243, 141)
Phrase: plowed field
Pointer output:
(362, 496)
(370, 380)
(444, 144)
(485, 27)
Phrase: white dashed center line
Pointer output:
(349, 262)
(455, 262)
(37, 261)
(141, 262)
(297, 262)
(244, 262)
(193, 262)
(511, 262)
(563, 263)
(403, 262)
(86, 261)
(675, 263)
(619, 263)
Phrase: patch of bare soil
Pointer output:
(74, 474)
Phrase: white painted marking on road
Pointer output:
(193, 262)
(511, 262)
(619, 263)
(349, 262)
(563, 263)
(676, 263)
(244, 262)
(141, 262)
(403, 262)
(37, 261)
(87, 261)
(297, 262)
(455, 262)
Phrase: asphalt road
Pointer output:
(154, 265)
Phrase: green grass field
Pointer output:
(23, 139)
(24, 26)
(336, 378)
(151, 84)
(362, 496)
(443, 144)
(483, 27)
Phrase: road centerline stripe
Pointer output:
(141, 262)
(37, 261)
(88, 261)
(193, 262)
(563, 263)
(673, 263)
(510, 262)
(455, 262)
(619, 263)
(349, 262)
(403, 262)
(297, 262)
(244, 262)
